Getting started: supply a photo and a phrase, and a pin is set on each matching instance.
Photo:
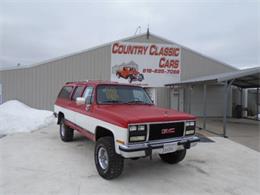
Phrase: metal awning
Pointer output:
(246, 78)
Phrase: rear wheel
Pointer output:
(174, 157)
(108, 163)
(66, 133)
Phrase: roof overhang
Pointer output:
(246, 78)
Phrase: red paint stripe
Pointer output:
(82, 131)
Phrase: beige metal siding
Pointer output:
(38, 86)
(195, 65)
(163, 97)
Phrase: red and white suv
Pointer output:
(124, 123)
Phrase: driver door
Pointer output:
(83, 115)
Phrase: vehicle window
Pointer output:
(88, 95)
(77, 92)
(65, 92)
(139, 95)
(110, 94)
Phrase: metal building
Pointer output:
(37, 85)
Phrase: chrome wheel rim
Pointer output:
(103, 158)
(62, 130)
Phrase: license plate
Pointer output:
(170, 147)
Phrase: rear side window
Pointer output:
(65, 92)
(78, 92)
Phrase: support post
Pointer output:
(241, 97)
(189, 91)
(225, 109)
(257, 102)
(226, 97)
(178, 98)
(204, 105)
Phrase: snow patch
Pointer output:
(17, 117)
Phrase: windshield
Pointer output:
(119, 94)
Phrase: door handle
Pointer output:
(88, 106)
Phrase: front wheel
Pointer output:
(108, 163)
(173, 157)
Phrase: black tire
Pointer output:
(66, 133)
(174, 157)
(115, 162)
(118, 75)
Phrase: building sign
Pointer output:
(152, 65)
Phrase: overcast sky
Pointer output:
(33, 31)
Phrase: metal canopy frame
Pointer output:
(244, 79)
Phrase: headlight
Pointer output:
(190, 123)
(190, 127)
(137, 127)
(137, 133)
(190, 132)
(137, 138)
(141, 127)
(133, 128)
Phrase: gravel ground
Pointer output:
(39, 163)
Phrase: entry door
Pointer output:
(177, 99)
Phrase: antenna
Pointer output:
(138, 28)
(147, 33)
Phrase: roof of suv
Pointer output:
(95, 82)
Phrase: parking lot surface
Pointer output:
(243, 131)
(39, 163)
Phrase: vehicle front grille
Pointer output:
(166, 130)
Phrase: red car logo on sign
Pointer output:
(168, 131)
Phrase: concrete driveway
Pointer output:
(243, 131)
(39, 163)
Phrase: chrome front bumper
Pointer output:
(147, 148)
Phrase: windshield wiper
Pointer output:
(112, 101)
(138, 102)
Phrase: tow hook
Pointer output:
(148, 152)
(187, 145)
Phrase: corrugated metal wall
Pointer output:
(38, 86)
(195, 65)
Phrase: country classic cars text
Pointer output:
(152, 50)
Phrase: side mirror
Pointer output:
(80, 100)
